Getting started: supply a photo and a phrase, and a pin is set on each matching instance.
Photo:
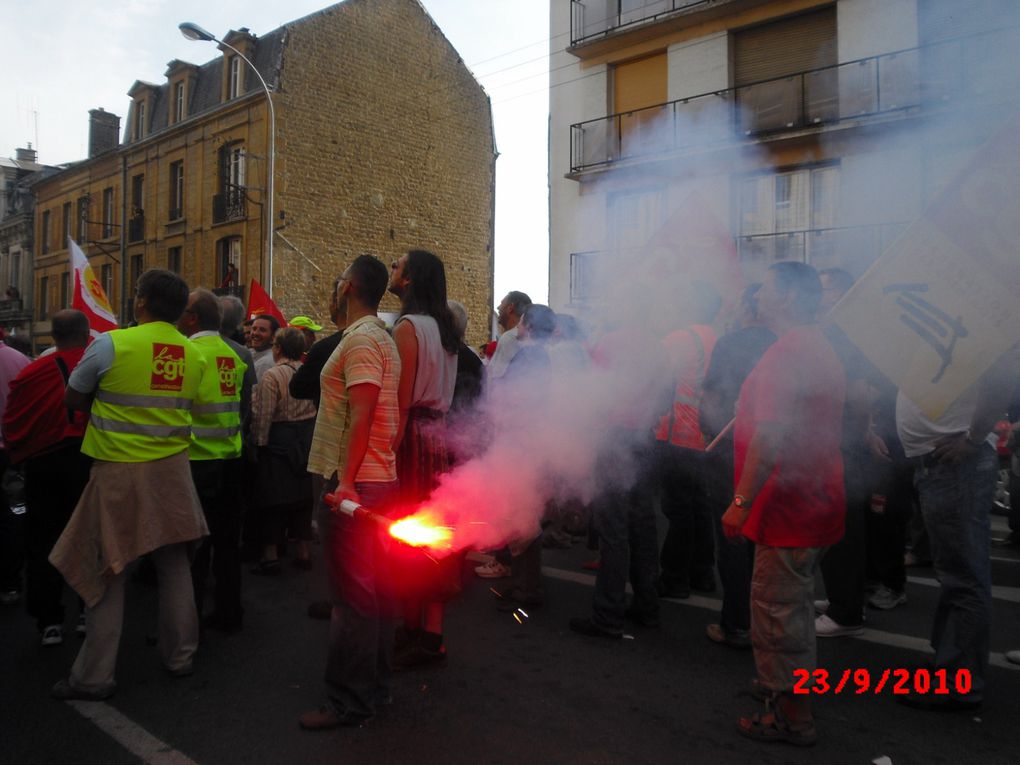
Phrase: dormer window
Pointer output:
(139, 120)
(178, 101)
(234, 74)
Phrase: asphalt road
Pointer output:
(510, 693)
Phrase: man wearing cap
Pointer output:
(308, 329)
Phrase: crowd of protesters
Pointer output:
(773, 450)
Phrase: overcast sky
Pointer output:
(64, 57)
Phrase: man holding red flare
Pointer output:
(352, 448)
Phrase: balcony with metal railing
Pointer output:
(236, 290)
(853, 248)
(230, 205)
(592, 20)
(886, 86)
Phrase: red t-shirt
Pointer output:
(800, 384)
(36, 420)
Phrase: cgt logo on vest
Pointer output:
(167, 367)
(228, 376)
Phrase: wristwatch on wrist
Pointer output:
(741, 501)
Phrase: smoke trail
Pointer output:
(873, 183)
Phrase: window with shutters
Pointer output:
(83, 219)
(173, 259)
(639, 95)
(140, 124)
(44, 298)
(108, 212)
(784, 72)
(177, 190)
(106, 278)
(44, 243)
(229, 204)
(228, 262)
(788, 215)
(65, 224)
(178, 102)
(233, 77)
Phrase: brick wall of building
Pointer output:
(384, 144)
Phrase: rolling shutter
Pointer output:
(792, 45)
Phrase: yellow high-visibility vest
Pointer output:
(216, 414)
(142, 409)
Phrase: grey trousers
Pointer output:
(783, 614)
(95, 667)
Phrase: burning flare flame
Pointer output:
(421, 531)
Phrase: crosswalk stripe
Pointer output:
(881, 637)
(130, 735)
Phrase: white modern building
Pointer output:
(807, 129)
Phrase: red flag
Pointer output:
(260, 304)
(89, 297)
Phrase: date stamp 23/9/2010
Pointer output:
(900, 681)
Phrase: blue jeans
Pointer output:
(361, 626)
(956, 501)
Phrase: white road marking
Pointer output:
(129, 734)
(999, 592)
(892, 639)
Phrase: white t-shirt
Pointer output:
(436, 375)
(919, 434)
(506, 349)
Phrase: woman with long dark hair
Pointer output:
(427, 343)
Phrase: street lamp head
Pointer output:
(195, 32)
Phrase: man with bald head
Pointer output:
(45, 437)
(215, 455)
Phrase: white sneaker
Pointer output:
(887, 599)
(821, 606)
(826, 627)
(53, 635)
(492, 570)
(1013, 657)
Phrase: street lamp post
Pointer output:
(195, 32)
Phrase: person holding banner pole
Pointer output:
(955, 471)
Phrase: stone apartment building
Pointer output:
(808, 129)
(383, 142)
(18, 174)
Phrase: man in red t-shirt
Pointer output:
(789, 498)
(45, 437)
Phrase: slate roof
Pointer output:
(205, 93)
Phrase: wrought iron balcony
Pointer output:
(594, 19)
(236, 290)
(230, 205)
(136, 228)
(853, 248)
(13, 310)
(892, 84)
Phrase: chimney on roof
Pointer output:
(104, 131)
(25, 155)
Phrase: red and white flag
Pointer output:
(259, 304)
(89, 297)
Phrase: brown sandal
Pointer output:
(771, 726)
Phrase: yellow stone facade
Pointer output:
(384, 143)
